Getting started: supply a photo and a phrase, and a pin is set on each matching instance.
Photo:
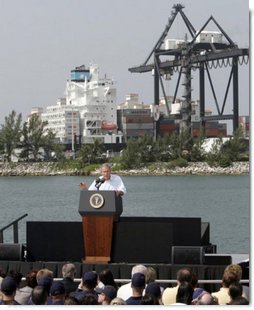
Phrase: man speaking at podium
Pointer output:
(106, 182)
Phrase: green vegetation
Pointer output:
(10, 134)
(32, 139)
(177, 150)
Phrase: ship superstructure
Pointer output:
(94, 101)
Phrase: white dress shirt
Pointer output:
(115, 183)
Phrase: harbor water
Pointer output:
(223, 201)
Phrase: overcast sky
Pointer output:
(43, 40)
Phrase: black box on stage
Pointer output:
(192, 255)
(217, 259)
(11, 251)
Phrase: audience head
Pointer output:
(89, 300)
(69, 271)
(140, 269)
(44, 278)
(239, 301)
(57, 289)
(235, 269)
(184, 293)
(106, 277)
(106, 294)
(154, 289)
(151, 274)
(31, 278)
(117, 302)
(71, 301)
(42, 273)
(39, 295)
(138, 281)
(235, 290)
(45, 282)
(17, 276)
(90, 279)
(228, 278)
(8, 286)
(149, 300)
(205, 298)
(184, 275)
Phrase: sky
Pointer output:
(42, 41)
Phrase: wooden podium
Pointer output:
(99, 210)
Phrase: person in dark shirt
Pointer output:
(57, 293)
(138, 283)
(39, 295)
(69, 272)
(8, 290)
(86, 287)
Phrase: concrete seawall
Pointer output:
(49, 169)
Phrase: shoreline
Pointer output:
(159, 169)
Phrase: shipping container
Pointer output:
(137, 126)
(137, 119)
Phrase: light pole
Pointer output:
(72, 136)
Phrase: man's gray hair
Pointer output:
(69, 271)
(106, 165)
(139, 268)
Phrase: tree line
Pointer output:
(176, 149)
(31, 137)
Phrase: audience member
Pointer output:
(154, 289)
(151, 274)
(169, 294)
(194, 283)
(223, 294)
(205, 298)
(69, 273)
(236, 294)
(237, 269)
(57, 293)
(86, 287)
(142, 290)
(149, 300)
(44, 273)
(17, 276)
(89, 300)
(235, 290)
(138, 284)
(106, 278)
(23, 294)
(39, 295)
(117, 302)
(106, 294)
(44, 277)
(71, 301)
(125, 291)
(8, 289)
(239, 301)
(184, 294)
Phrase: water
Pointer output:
(223, 201)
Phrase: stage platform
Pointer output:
(135, 239)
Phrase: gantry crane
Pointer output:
(195, 54)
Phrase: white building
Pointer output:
(63, 120)
(88, 109)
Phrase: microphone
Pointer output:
(98, 182)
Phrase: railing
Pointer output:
(15, 229)
(218, 281)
